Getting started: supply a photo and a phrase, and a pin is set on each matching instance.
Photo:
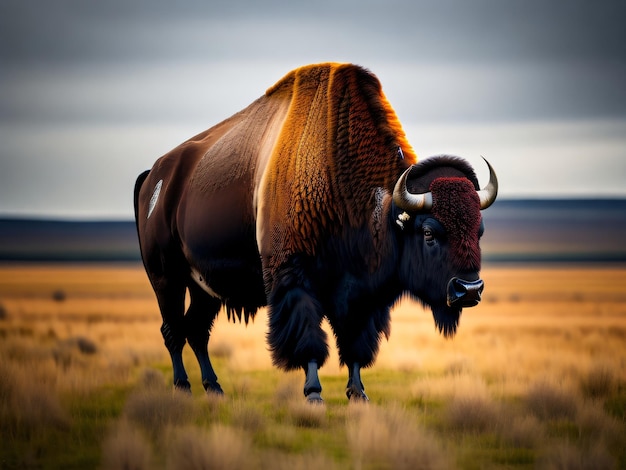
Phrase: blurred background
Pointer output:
(91, 94)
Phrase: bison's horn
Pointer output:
(408, 201)
(488, 194)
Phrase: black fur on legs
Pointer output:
(201, 314)
(198, 323)
(295, 335)
(172, 337)
(358, 337)
(175, 342)
(355, 390)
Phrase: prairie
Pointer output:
(535, 378)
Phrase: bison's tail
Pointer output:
(140, 179)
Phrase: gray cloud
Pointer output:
(95, 91)
(403, 29)
(208, 92)
(485, 59)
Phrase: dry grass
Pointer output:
(568, 457)
(220, 448)
(153, 410)
(551, 402)
(599, 381)
(28, 400)
(536, 378)
(390, 438)
(472, 413)
(520, 431)
(126, 448)
(305, 415)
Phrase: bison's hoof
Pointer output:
(315, 398)
(356, 395)
(213, 388)
(182, 386)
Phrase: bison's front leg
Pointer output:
(312, 385)
(295, 337)
(355, 390)
(358, 336)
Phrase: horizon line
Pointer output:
(84, 217)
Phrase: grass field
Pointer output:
(535, 378)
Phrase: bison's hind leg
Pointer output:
(171, 297)
(198, 323)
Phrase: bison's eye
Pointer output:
(429, 237)
(432, 231)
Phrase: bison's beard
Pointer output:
(446, 319)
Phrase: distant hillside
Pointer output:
(555, 230)
(53, 240)
(516, 230)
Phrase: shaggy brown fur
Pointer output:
(457, 207)
(339, 141)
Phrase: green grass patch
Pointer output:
(72, 443)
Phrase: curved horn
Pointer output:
(488, 194)
(408, 201)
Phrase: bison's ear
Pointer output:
(488, 194)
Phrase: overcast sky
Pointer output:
(91, 93)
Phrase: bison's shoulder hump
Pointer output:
(315, 74)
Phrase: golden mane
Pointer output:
(339, 143)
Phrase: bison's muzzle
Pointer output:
(464, 293)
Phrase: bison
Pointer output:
(309, 201)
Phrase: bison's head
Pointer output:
(437, 204)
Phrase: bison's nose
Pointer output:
(464, 293)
